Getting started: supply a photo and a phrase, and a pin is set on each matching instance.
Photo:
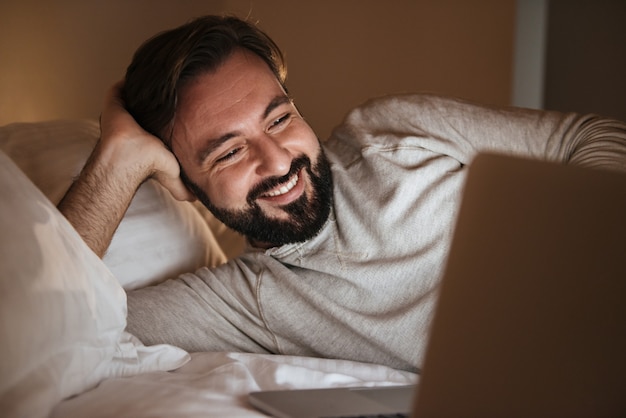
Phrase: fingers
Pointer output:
(146, 150)
(175, 186)
(167, 173)
(113, 98)
(170, 179)
(115, 119)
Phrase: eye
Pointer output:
(230, 154)
(280, 121)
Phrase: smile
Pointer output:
(284, 188)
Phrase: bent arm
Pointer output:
(98, 199)
(124, 157)
(461, 129)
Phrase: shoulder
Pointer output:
(393, 109)
(395, 120)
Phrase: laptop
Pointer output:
(531, 316)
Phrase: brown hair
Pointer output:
(162, 65)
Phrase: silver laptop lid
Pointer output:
(531, 319)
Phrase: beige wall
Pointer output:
(58, 57)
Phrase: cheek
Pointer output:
(227, 191)
(304, 139)
(224, 189)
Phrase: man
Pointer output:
(347, 240)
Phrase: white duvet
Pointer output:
(64, 351)
(217, 384)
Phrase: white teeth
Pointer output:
(284, 189)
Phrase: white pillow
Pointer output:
(158, 238)
(62, 313)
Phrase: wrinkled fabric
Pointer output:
(364, 289)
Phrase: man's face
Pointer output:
(249, 154)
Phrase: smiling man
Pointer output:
(257, 165)
(348, 238)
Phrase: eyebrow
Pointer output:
(274, 103)
(212, 144)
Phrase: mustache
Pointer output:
(271, 182)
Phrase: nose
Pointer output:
(272, 159)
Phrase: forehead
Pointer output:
(218, 101)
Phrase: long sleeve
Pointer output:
(460, 129)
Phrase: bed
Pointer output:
(65, 351)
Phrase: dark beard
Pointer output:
(306, 216)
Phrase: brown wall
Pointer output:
(586, 57)
(58, 57)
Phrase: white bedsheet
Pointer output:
(217, 384)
